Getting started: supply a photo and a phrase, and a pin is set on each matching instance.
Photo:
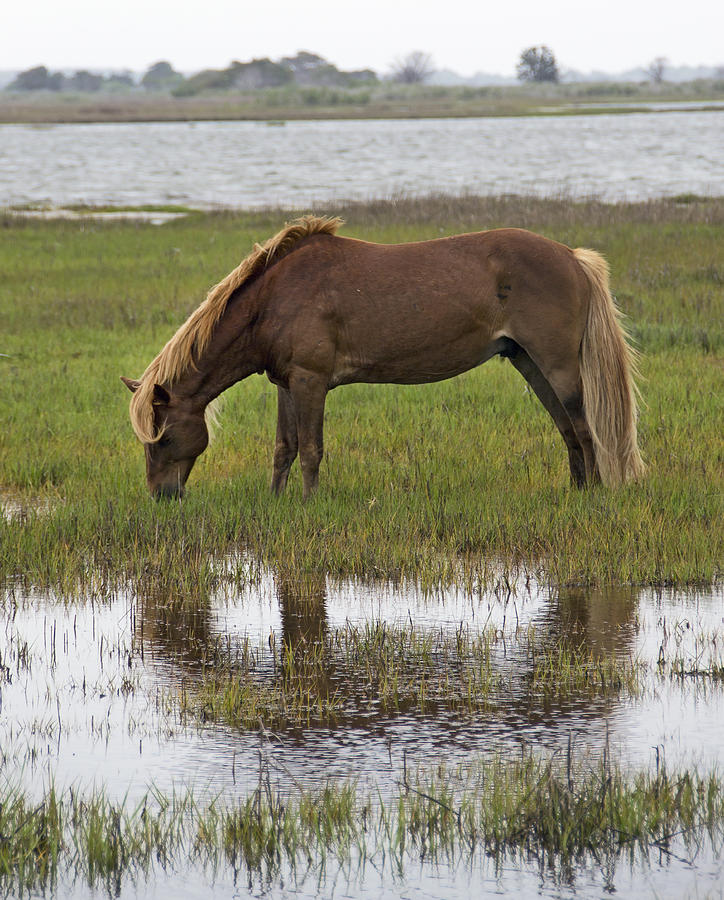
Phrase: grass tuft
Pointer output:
(557, 812)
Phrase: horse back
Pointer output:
(417, 311)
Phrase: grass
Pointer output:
(375, 673)
(559, 812)
(385, 100)
(458, 481)
(378, 672)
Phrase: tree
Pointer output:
(312, 69)
(537, 64)
(259, 73)
(161, 76)
(656, 69)
(120, 80)
(83, 80)
(415, 68)
(37, 79)
(304, 62)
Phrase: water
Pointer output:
(86, 696)
(87, 688)
(455, 880)
(244, 164)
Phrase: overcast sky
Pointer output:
(464, 35)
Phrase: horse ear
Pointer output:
(131, 383)
(160, 394)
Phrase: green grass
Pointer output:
(456, 481)
(381, 672)
(559, 812)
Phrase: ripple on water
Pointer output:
(92, 686)
(613, 157)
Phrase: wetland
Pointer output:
(446, 672)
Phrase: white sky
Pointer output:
(464, 35)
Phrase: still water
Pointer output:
(244, 164)
(88, 689)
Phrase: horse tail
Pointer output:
(608, 374)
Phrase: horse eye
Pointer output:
(164, 441)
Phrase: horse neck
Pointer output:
(230, 356)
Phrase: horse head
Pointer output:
(180, 435)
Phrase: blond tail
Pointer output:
(608, 372)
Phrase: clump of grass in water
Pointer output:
(530, 805)
(562, 669)
(374, 668)
(387, 671)
(704, 662)
(559, 813)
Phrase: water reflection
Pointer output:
(90, 687)
(173, 624)
(184, 626)
(303, 607)
(602, 621)
(300, 635)
(305, 614)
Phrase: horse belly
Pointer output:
(412, 357)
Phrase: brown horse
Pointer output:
(313, 311)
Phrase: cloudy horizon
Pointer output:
(459, 35)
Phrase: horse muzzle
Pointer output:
(167, 492)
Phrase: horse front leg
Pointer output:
(286, 445)
(309, 392)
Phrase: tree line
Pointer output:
(536, 64)
(307, 69)
(40, 79)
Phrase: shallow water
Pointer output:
(87, 690)
(88, 683)
(245, 164)
(663, 878)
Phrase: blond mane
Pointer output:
(186, 346)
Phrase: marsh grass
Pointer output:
(429, 482)
(559, 811)
(379, 672)
(383, 100)
(704, 662)
(373, 671)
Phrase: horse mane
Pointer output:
(192, 338)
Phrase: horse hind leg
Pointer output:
(577, 461)
(573, 404)
(565, 380)
(287, 444)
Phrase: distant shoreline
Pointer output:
(426, 102)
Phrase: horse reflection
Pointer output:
(177, 624)
(601, 621)
(174, 624)
(592, 626)
(303, 608)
